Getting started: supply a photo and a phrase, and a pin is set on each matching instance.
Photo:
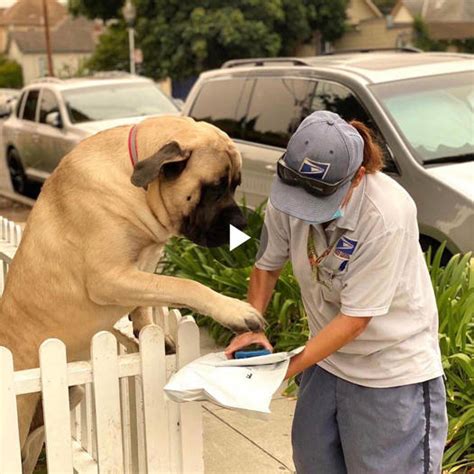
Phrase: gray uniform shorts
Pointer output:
(340, 427)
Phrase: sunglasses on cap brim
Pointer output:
(313, 186)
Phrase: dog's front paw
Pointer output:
(238, 316)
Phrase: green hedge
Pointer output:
(11, 74)
(228, 273)
(454, 290)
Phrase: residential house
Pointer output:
(368, 28)
(72, 42)
(72, 39)
(27, 15)
(444, 19)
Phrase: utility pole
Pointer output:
(47, 38)
(130, 14)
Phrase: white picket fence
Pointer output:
(124, 422)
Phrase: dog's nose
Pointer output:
(238, 220)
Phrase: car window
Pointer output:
(221, 102)
(434, 115)
(19, 104)
(277, 106)
(113, 101)
(29, 111)
(339, 99)
(48, 104)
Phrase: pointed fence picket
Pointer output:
(124, 422)
(107, 402)
(10, 460)
(156, 420)
(55, 396)
(10, 236)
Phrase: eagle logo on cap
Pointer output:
(314, 169)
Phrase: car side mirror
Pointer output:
(5, 110)
(54, 119)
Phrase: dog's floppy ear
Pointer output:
(147, 170)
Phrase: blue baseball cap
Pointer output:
(325, 148)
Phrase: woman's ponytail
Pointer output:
(373, 155)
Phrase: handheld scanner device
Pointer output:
(251, 352)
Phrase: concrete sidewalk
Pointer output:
(240, 444)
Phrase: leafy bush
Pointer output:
(11, 74)
(454, 290)
(111, 53)
(228, 273)
(425, 42)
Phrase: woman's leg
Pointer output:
(399, 430)
(315, 436)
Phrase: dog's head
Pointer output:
(191, 180)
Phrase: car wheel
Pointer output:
(17, 173)
(428, 242)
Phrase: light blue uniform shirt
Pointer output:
(375, 268)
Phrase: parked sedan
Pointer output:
(7, 98)
(53, 115)
(420, 105)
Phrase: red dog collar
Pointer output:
(132, 145)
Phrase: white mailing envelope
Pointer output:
(243, 384)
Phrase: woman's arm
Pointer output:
(262, 283)
(340, 331)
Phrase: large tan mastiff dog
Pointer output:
(96, 233)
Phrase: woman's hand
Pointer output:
(244, 340)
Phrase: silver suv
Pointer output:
(53, 115)
(420, 106)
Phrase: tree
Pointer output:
(11, 74)
(328, 17)
(424, 41)
(103, 9)
(111, 54)
(181, 39)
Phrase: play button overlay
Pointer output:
(236, 237)
(242, 246)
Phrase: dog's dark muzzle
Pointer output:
(217, 232)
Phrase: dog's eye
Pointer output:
(173, 170)
(217, 191)
(220, 188)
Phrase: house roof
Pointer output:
(413, 6)
(353, 11)
(449, 10)
(451, 30)
(449, 19)
(30, 13)
(72, 35)
(445, 19)
(374, 8)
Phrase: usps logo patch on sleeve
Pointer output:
(344, 249)
(314, 169)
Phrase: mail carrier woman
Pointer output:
(372, 398)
